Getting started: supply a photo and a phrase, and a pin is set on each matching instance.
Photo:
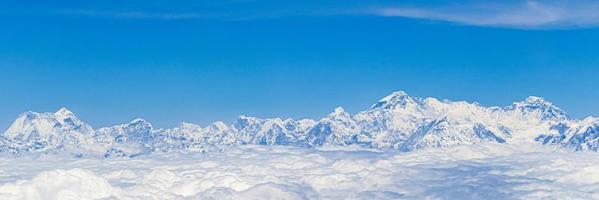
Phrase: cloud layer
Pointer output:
(484, 171)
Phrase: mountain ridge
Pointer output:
(397, 121)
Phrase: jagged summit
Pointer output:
(46, 123)
(396, 99)
(538, 107)
(395, 95)
(63, 112)
(339, 112)
(140, 124)
(140, 121)
(33, 131)
(535, 100)
(590, 119)
(219, 125)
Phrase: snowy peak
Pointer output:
(27, 124)
(338, 128)
(140, 124)
(43, 131)
(395, 96)
(274, 131)
(339, 118)
(218, 126)
(245, 121)
(396, 99)
(539, 108)
(43, 124)
(535, 100)
(135, 127)
(63, 114)
(590, 121)
(339, 112)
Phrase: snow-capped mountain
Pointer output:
(537, 108)
(578, 135)
(397, 121)
(403, 122)
(271, 131)
(134, 138)
(338, 128)
(33, 131)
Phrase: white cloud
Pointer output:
(143, 15)
(482, 171)
(521, 14)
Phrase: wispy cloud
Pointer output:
(195, 15)
(521, 14)
(226, 10)
(146, 14)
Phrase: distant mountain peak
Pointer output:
(539, 106)
(394, 100)
(534, 99)
(138, 120)
(46, 123)
(63, 114)
(243, 121)
(63, 111)
(397, 96)
(591, 119)
(27, 115)
(248, 119)
(45, 131)
(339, 112)
(140, 124)
(218, 125)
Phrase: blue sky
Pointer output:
(201, 61)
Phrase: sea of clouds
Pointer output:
(481, 171)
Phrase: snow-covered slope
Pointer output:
(397, 121)
(252, 130)
(134, 138)
(578, 135)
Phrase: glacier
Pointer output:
(396, 122)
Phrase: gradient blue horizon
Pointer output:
(112, 70)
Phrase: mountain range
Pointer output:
(396, 122)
